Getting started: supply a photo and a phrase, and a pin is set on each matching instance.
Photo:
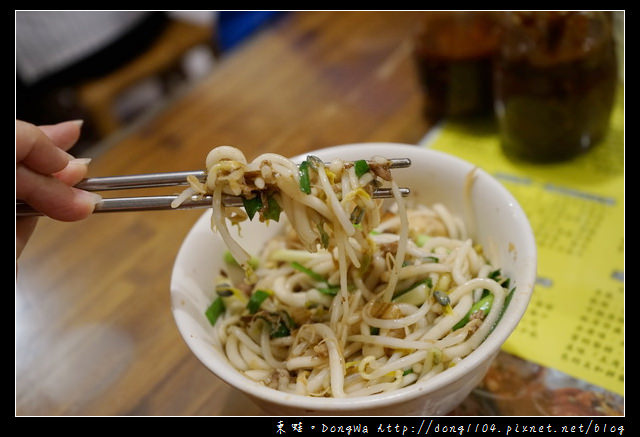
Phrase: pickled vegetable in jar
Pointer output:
(554, 82)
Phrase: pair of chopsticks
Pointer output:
(157, 203)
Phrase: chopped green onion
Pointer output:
(494, 275)
(412, 286)
(282, 330)
(431, 258)
(313, 275)
(417, 294)
(280, 324)
(272, 211)
(407, 371)
(374, 330)
(483, 305)
(256, 300)
(284, 327)
(361, 167)
(332, 290)
(305, 184)
(252, 205)
(215, 310)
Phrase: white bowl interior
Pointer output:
(500, 226)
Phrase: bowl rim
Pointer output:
(486, 350)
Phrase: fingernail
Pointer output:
(80, 161)
(88, 196)
(78, 122)
(96, 197)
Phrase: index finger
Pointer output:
(64, 135)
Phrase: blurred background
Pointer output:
(111, 68)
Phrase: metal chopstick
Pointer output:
(153, 180)
(158, 203)
(155, 203)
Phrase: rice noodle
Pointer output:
(359, 296)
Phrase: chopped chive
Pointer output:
(313, 275)
(494, 275)
(284, 326)
(432, 259)
(279, 324)
(332, 290)
(252, 206)
(483, 305)
(407, 371)
(281, 331)
(412, 286)
(215, 310)
(374, 330)
(272, 211)
(256, 300)
(361, 167)
(305, 184)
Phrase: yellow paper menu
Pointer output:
(575, 321)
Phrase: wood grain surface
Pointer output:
(94, 330)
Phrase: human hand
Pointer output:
(46, 173)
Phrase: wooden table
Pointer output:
(94, 330)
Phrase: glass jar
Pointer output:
(554, 82)
(453, 54)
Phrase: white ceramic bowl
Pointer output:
(501, 227)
